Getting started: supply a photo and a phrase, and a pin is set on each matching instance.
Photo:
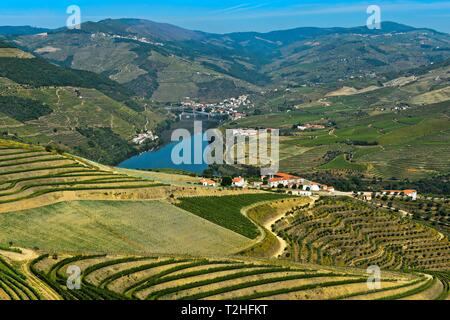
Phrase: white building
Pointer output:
(239, 182)
(284, 179)
(207, 182)
(408, 193)
(311, 186)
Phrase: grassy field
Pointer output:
(180, 278)
(226, 211)
(117, 227)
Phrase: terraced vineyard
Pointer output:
(434, 212)
(351, 233)
(13, 284)
(184, 278)
(27, 173)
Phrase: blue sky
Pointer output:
(223, 16)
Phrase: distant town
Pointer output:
(225, 110)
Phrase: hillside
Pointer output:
(141, 55)
(76, 111)
(397, 129)
(168, 278)
(153, 59)
(350, 233)
(32, 176)
(136, 238)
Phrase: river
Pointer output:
(161, 158)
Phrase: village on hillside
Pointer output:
(297, 186)
(226, 109)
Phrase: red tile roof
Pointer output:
(208, 181)
(286, 176)
(410, 191)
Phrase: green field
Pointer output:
(117, 227)
(340, 163)
(226, 211)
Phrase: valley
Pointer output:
(87, 181)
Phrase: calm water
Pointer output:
(162, 159)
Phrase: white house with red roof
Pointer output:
(239, 182)
(207, 182)
(409, 193)
(284, 179)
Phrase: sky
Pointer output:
(223, 16)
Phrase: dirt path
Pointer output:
(25, 259)
(266, 227)
(282, 243)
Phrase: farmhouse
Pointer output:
(207, 182)
(239, 182)
(309, 126)
(408, 193)
(312, 186)
(284, 179)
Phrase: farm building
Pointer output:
(239, 182)
(284, 179)
(207, 182)
(408, 193)
(315, 186)
(312, 186)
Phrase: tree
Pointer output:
(226, 182)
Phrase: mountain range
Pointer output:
(167, 63)
(90, 91)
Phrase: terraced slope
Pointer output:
(170, 277)
(32, 176)
(14, 285)
(79, 112)
(351, 233)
